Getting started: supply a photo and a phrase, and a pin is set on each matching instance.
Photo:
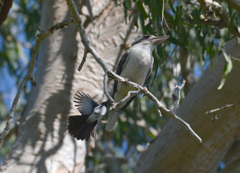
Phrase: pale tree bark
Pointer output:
(174, 150)
(43, 144)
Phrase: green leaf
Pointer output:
(142, 24)
(116, 3)
(141, 9)
(196, 16)
(185, 35)
(126, 5)
(227, 69)
(175, 41)
(171, 6)
(231, 22)
(169, 18)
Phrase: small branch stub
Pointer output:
(83, 60)
(176, 96)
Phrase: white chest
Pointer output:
(138, 65)
(136, 69)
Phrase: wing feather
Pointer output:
(85, 104)
(120, 66)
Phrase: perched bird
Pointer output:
(81, 126)
(135, 65)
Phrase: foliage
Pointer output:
(17, 35)
(181, 20)
(200, 42)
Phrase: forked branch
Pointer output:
(109, 72)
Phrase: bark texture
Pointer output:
(174, 150)
(43, 144)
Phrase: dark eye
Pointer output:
(146, 37)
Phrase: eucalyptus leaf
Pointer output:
(227, 69)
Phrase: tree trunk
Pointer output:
(43, 144)
(174, 150)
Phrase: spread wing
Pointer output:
(85, 104)
(120, 66)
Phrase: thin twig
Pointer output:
(83, 60)
(222, 20)
(41, 36)
(163, 17)
(118, 105)
(76, 17)
(86, 43)
(166, 23)
(158, 104)
(159, 113)
(214, 111)
(105, 86)
(34, 83)
(177, 95)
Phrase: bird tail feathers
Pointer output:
(79, 128)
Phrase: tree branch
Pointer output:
(214, 112)
(234, 4)
(223, 22)
(119, 104)
(176, 95)
(105, 83)
(41, 36)
(83, 60)
(109, 72)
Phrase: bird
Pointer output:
(135, 65)
(81, 126)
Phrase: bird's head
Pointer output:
(149, 41)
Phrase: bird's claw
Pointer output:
(126, 81)
(145, 90)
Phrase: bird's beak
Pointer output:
(159, 40)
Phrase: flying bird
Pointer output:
(81, 126)
(135, 65)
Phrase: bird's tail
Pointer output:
(113, 116)
(79, 128)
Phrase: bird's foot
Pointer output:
(145, 90)
(126, 81)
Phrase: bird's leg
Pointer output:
(126, 81)
(145, 90)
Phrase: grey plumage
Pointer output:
(135, 65)
(81, 126)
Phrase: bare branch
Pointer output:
(119, 104)
(159, 105)
(41, 36)
(86, 43)
(159, 113)
(34, 83)
(214, 111)
(177, 95)
(83, 60)
(171, 114)
(234, 4)
(105, 86)
(223, 22)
